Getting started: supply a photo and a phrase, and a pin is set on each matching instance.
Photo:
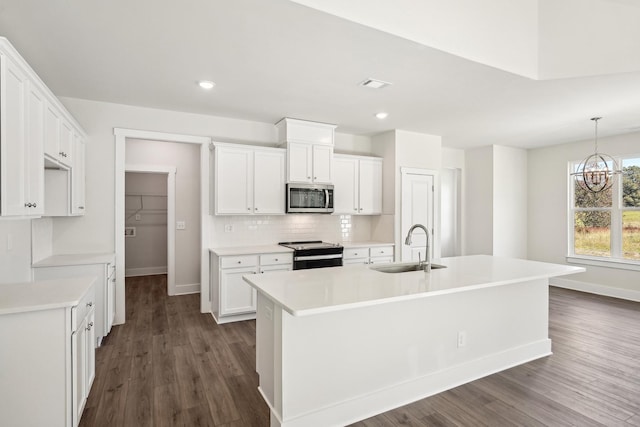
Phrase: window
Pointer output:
(606, 226)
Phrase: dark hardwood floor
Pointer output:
(169, 365)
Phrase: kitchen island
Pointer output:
(337, 345)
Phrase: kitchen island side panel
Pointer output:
(343, 366)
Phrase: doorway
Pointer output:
(149, 217)
(418, 207)
(122, 136)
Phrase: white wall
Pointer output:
(496, 201)
(479, 201)
(399, 149)
(547, 209)
(146, 212)
(15, 250)
(509, 202)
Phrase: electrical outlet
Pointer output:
(462, 339)
(138, 217)
(228, 228)
(181, 225)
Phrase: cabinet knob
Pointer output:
(248, 209)
(308, 177)
(90, 304)
(239, 262)
(256, 208)
(276, 259)
(355, 253)
(35, 205)
(355, 209)
(80, 207)
(28, 205)
(315, 177)
(360, 209)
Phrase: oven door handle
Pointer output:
(326, 198)
(317, 257)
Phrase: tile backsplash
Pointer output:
(229, 231)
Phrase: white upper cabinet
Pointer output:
(21, 192)
(309, 150)
(58, 137)
(322, 164)
(248, 180)
(309, 163)
(269, 181)
(357, 185)
(35, 130)
(294, 130)
(78, 176)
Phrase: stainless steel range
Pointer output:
(315, 254)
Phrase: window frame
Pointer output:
(615, 259)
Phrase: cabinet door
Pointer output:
(236, 296)
(269, 182)
(35, 150)
(345, 181)
(66, 143)
(78, 370)
(322, 164)
(370, 194)
(12, 139)
(234, 181)
(78, 176)
(51, 131)
(90, 352)
(299, 163)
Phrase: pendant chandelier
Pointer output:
(596, 173)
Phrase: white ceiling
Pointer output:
(276, 58)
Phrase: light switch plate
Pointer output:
(181, 225)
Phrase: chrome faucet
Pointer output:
(426, 264)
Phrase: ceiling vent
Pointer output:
(374, 84)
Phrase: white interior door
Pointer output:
(417, 208)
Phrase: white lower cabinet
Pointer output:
(83, 362)
(232, 299)
(368, 255)
(47, 357)
(105, 291)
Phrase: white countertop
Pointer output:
(43, 294)
(315, 291)
(75, 259)
(365, 244)
(250, 250)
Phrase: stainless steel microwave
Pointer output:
(309, 198)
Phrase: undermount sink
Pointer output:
(403, 268)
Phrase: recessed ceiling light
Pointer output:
(382, 115)
(206, 84)
(374, 84)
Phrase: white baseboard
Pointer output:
(145, 271)
(594, 288)
(188, 288)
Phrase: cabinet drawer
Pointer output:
(381, 251)
(353, 253)
(238, 261)
(85, 305)
(275, 259)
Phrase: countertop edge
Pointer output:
(63, 260)
(77, 286)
